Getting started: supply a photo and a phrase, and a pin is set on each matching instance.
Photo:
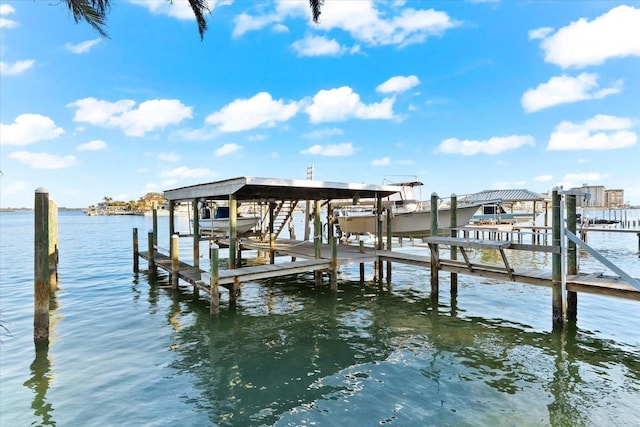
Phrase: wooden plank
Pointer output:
(468, 243)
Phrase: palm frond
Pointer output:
(315, 9)
(94, 12)
(200, 8)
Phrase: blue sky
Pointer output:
(462, 95)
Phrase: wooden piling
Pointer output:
(196, 235)
(389, 243)
(317, 240)
(151, 249)
(378, 266)
(454, 233)
(272, 236)
(556, 263)
(434, 248)
(233, 231)
(42, 289)
(155, 224)
(361, 249)
(572, 260)
(136, 261)
(214, 280)
(334, 264)
(175, 263)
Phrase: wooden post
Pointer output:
(317, 240)
(334, 264)
(454, 233)
(53, 245)
(361, 249)
(572, 259)
(233, 231)
(379, 241)
(389, 244)
(272, 239)
(434, 248)
(155, 224)
(196, 234)
(42, 289)
(171, 222)
(214, 280)
(556, 263)
(151, 252)
(135, 251)
(330, 223)
(175, 263)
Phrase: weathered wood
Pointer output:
(214, 281)
(233, 231)
(334, 264)
(557, 297)
(136, 259)
(196, 233)
(453, 253)
(435, 254)
(468, 243)
(572, 259)
(155, 223)
(53, 245)
(317, 240)
(151, 251)
(175, 263)
(42, 289)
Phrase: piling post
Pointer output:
(155, 224)
(572, 260)
(389, 243)
(151, 252)
(53, 245)
(175, 263)
(214, 280)
(434, 248)
(172, 226)
(379, 242)
(454, 233)
(272, 240)
(196, 234)
(361, 249)
(317, 240)
(42, 289)
(556, 263)
(334, 264)
(135, 250)
(233, 231)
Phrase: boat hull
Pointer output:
(221, 225)
(410, 224)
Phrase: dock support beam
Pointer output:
(42, 289)
(214, 280)
(155, 224)
(389, 244)
(454, 234)
(572, 261)
(136, 264)
(557, 301)
(379, 241)
(151, 249)
(233, 231)
(317, 240)
(172, 225)
(196, 234)
(434, 248)
(334, 263)
(272, 236)
(175, 263)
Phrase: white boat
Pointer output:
(409, 216)
(495, 214)
(218, 223)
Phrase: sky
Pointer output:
(464, 96)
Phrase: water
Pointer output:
(125, 350)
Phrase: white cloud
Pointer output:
(318, 46)
(495, 145)
(564, 89)
(381, 162)
(185, 172)
(335, 105)
(15, 187)
(43, 160)
(29, 128)
(323, 133)
(331, 150)
(169, 157)
(371, 23)
(615, 34)
(6, 9)
(398, 84)
(540, 33)
(543, 178)
(584, 177)
(82, 47)
(17, 67)
(176, 9)
(601, 132)
(150, 115)
(95, 145)
(246, 114)
(227, 149)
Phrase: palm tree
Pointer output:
(94, 12)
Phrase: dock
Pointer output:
(326, 255)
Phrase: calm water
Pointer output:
(127, 351)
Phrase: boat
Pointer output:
(218, 222)
(409, 216)
(494, 213)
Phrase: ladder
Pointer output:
(281, 216)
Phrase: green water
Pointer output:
(126, 350)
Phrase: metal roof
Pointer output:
(252, 188)
(506, 196)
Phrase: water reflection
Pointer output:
(279, 351)
(39, 382)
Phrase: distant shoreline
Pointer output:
(30, 209)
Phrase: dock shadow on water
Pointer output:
(289, 354)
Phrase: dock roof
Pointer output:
(252, 188)
(506, 196)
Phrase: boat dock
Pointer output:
(325, 255)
